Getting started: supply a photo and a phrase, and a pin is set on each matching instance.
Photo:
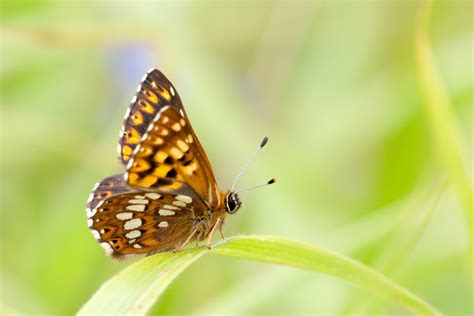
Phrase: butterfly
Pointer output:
(168, 195)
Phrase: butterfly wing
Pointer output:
(169, 158)
(154, 92)
(127, 221)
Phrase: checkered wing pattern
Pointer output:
(154, 92)
(127, 221)
(168, 194)
(169, 158)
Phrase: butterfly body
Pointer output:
(168, 195)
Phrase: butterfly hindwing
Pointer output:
(169, 158)
(154, 92)
(106, 188)
(128, 221)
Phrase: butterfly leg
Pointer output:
(187, 240)
(212, 232)
(221, 229)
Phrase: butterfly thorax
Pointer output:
(204, 220)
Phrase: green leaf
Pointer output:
(137, 287)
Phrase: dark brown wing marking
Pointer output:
(154, 92)
(127, 221)
(169, 158)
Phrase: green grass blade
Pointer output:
(300, 255)
(444, 128)
(136, 288)
(399, 244)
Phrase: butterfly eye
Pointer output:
(232, 203)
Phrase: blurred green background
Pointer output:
(333, 85)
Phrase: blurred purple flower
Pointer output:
(128, 62)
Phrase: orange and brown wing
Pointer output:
(154, 92)
(126, 221)
(169, 158)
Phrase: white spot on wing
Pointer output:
(163, 224)
(170, 207)
(157, 116)
(108, 249)
(136, 150)
(99, 204)
(124, 216)
(90, 212)
(132, 224)
(127, 113)
(184, 198)
(172, 91)
(164, 212)
(96, 186)
(138, 201)
(150, 127)
(179, 203)
(96, 234)
(137, 246)
(133, 234)
(90, 222)
(139, 197)
(136, 208)
(153, 196)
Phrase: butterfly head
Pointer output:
(232, 203)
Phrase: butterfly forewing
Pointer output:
(154, 92)
(169, 159)
(128, 221)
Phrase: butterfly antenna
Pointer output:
(271, 181)
(252, 158)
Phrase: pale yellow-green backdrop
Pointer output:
(332, 83)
